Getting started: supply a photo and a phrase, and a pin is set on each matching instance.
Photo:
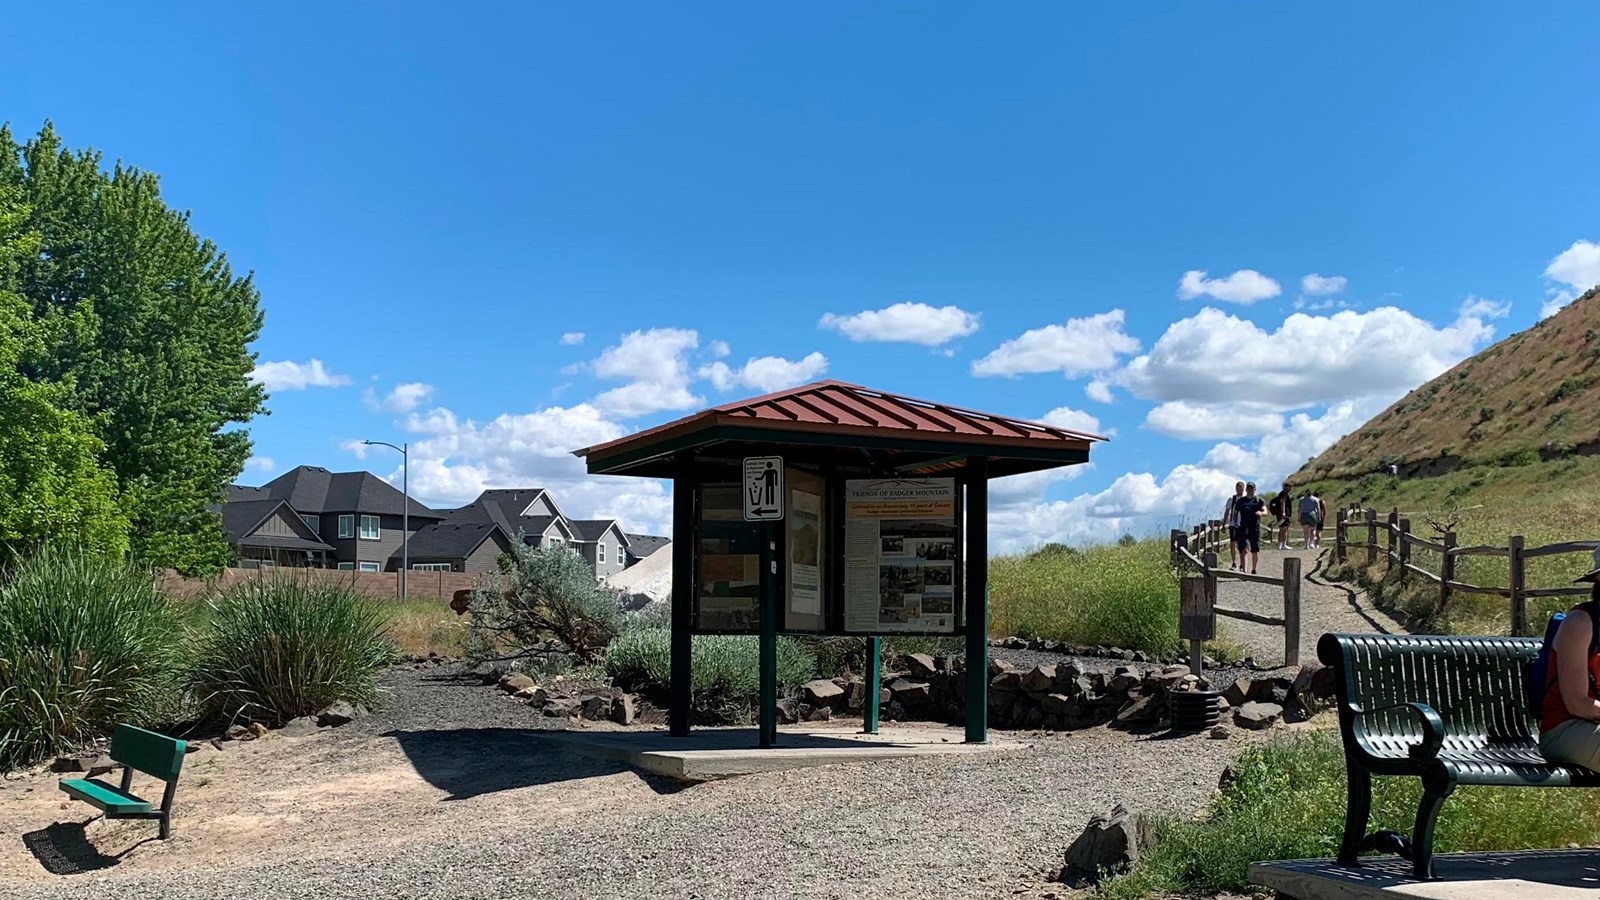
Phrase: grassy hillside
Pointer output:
(1527, 397)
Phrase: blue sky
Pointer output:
(434, 200)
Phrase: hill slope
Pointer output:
(1526, 398)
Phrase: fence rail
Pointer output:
(1196, 549)
(1399, 542)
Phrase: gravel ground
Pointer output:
(448, 793)
(1324, 606)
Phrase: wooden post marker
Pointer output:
(1291, 610)
(1447, 571)
(1519, 587)
(1197, 618)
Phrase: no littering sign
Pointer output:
(763, 488)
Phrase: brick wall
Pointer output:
(420, 585)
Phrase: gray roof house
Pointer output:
(357, 514)
(457, 547)
(267, 532)
(528, 511)
(641, 546)
(603, 543)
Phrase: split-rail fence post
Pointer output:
(1518, 583)
(1405, 550)
(1447, 570)
(1393, 526)
(1372, 537)
(1291, 610)
(1338, 535)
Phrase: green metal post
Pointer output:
(680, 695)
(769, 636)
(977, 600)
(869, 713)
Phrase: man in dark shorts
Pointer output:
(1249, 509)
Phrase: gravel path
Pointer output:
(1324, 606)
(448, 793)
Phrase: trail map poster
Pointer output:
(900, 555)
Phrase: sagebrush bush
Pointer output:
(724, 670)
(85, 643)
(542, 593)
(1122, 595)
(1287, 801)
(278, 648)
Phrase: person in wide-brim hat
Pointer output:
(1569, 722)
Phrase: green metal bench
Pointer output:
(153, 754)
(1448, 710)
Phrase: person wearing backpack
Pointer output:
(1231, 519)
(1282, 510)
(1311, 519)
(1569, 715)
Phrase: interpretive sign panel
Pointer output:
(808, 598)
(763, 488)
(728, 570)
(900, 555)
(1197, 618)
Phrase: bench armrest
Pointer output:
(1432, 728)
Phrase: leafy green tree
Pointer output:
(151, 328)
(54, 485)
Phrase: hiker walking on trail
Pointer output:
(1311, 511)
(1249, 509)
(1282, 509)
(1230, 518)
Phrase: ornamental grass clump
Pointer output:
(1123, 595)
(85, 643)
(278, 648)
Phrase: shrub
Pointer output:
(724, 670)
(279, 648)
(539, 594)
(85, 643)
(1286, 801)
(1122, 595)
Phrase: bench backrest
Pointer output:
(148, 752)
(1478, 685)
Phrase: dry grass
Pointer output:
(420, 627)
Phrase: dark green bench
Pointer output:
(1448, 710)
(153, 754)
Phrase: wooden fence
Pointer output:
(1398, 543)
(420, 585)
(1197, 550)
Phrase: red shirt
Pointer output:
(1555, 709)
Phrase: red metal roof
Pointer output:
(840, 408)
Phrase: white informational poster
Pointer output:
(805, 553)
(900, 555)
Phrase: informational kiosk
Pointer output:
(833, 509)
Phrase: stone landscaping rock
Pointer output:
(1039, 680)
(1314, 685)
(623, 711)
(340, 713)
(817, 713)
(563, 707)
(1110, 843)
(534, 696)
(921, 666)
(237, 733)
(1140, 711)
(855, 695)
(594, 707)
(910, 694)
(1257, 715)
(258, 730)
(1273, 688)
(822, 692)
(788, 711)
(1122, 681)
(515, 682)
(1237, 693)
(299, 727)
(1219, 733)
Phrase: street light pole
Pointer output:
(405, 508)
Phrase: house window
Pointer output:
(430, 567)
(553, 541)
(313, 522)
(600, 551)
(369, 528)
(370, 567)
(347, 567)
(347, 526)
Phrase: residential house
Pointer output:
(531, 512)
(458, 547)
(359, 515)
(641, 546)
(267, 532)
(603, 543)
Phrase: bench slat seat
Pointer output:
(108, 797)
(1447, 710)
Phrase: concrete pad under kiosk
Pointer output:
(708, 754)
(1516, 875)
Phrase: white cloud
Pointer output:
(913, 323)
(1276, 456)
(572, 338)
(262, 464)
(1320, 285)
(719, 349)
(1245, 286)
(655, 364)
(1092, 344)
(1480, 308)
(1576, 269)
(1199, 421)
(287, 375)
(1214, 358)
(1073, 420)
(766, 373)
(407, 397)
(1098, 390)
